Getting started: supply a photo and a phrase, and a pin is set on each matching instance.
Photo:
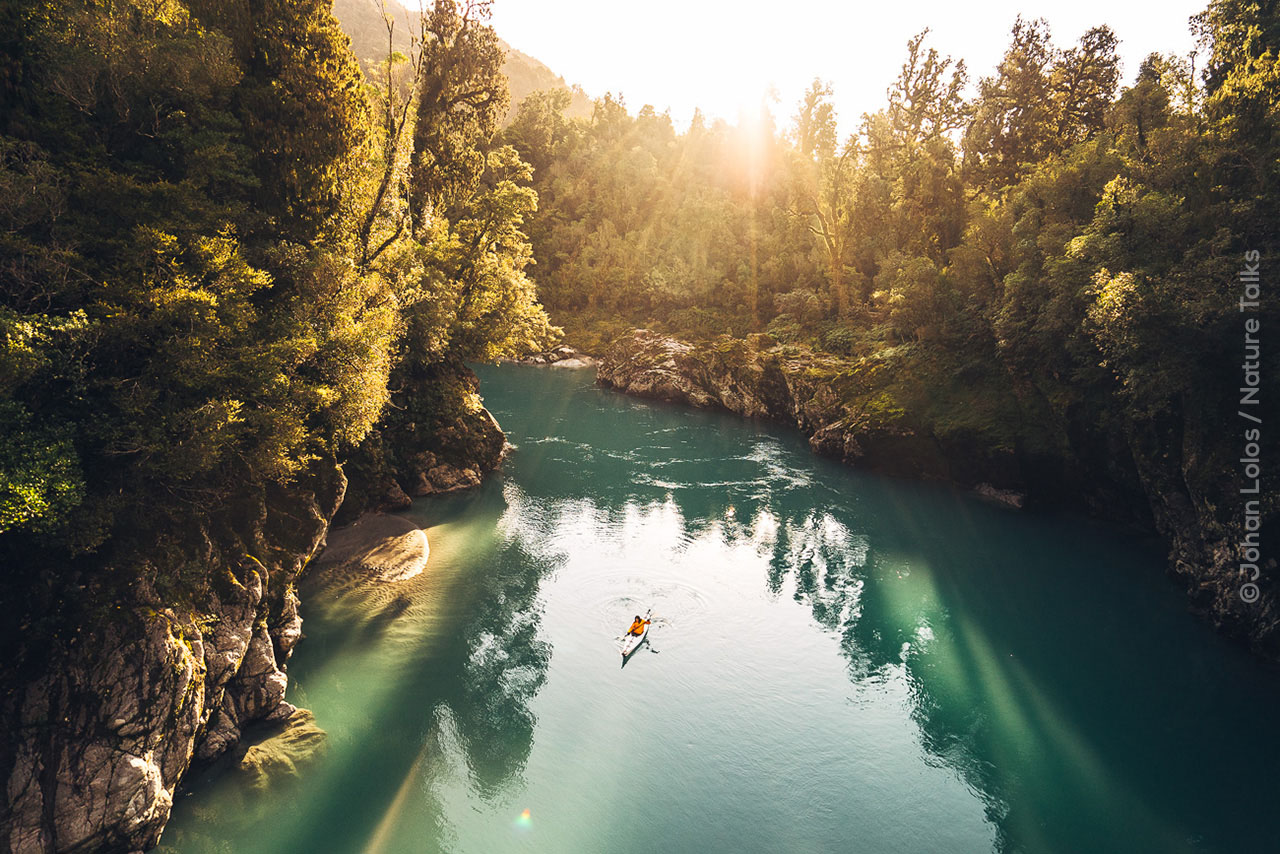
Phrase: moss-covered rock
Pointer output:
(435, 437)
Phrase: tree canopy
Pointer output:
(211, 267)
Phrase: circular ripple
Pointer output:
(621, 597)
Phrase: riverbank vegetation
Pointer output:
(226, 255)
(1054, 257)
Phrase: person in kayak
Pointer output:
(637, 628)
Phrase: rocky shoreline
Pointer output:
(101, 739)
(559, 357)
(749, 379)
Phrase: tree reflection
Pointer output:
(1015, 669)
(506, 666)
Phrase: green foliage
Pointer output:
(40, 477)
(786, 329)
(842, 339)
(1050, 265)
(462, 96)
(1040, 101)
(208, 273)
(221, 245)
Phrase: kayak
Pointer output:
(632, 642)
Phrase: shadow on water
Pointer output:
(438, 660)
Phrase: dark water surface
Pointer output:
(847, 664)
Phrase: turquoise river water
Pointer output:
(844, 663)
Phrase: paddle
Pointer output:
(645, 618)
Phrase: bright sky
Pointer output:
(720, 55)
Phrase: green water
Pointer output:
(847, 664)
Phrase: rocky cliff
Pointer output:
(155, 680)
(426, 444)
(99, 742)
(1137, 477)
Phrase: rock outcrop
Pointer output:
(750, 378)
(1141, 479)
(433, 477)
(422, 448)
(97, 742)
(559, 357)
(386, 548)
(166, 674)
(96, 745)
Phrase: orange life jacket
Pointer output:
(638, 627)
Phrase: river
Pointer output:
(843, 663)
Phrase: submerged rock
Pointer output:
(282, 755)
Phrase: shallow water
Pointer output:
(843, 663)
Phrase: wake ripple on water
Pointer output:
(616, 598)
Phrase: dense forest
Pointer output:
(240, 280)
(243, 270)
(944, 217)
(223, 251)
(1045, 261)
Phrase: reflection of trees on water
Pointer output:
(989, 676)
(478, 685)
(1034, 694)
(991, 697)
(470, 664)
(896, 619)
(826, 561)
(506, 665)
(1045, 708)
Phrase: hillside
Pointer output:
(362, 21)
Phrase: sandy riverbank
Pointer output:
(385, 547)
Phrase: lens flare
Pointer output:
(525, 820)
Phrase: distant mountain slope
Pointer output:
(362, 21)
(526, 74)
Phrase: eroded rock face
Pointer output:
(750, 378)
(99, 742)
(112, 791)
(433, 476)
